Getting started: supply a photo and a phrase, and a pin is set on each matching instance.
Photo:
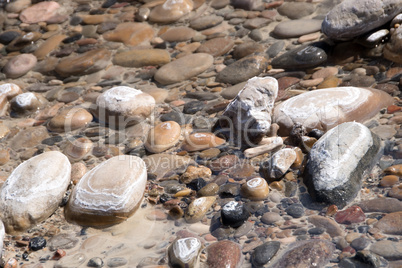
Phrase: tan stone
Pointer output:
(201, 141)
(142, 57)
(28, 101)
(394, 170)
(255, 189)
(4, 156)
(48, 46)
(96, 19)
(178, 34)
(130, 33)
(389, 180)
(163, 136)
(78, 149)
(4, 130)
(198, 208)
(194, 172)
(29, 137)
(10, 90)
(170, 11)
(78, 170)
(70, 119)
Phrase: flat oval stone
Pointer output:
(201, 141)
(99, 201)
(330, 226)
(178, 34)
(184, 68)
(385, 205)
(296, 28)
(142, 57)
(10, 90)
(29, 137)
(202, 23)
(163, 136)
(354, 214)
(216, 46)
(170, 11)
(305, 56)
(130, 33)
(326, 108)
(42, 11)
(224, 254)
(296, 10)
(19, 65)
(28, 101)
(265, 252)
(255, 189)
(78, 149)
(48, 46)
(123, 106)
(243, 69)
(391, 223)
(70, 119)
(86, 63)
(184, 252)
(25, 202)
(198, 208)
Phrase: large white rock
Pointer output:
(109, 193)
(34, 190)
(248, 116)
(124, 106)
(326, 108)
(338, 162)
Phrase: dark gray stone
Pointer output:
(360, 243)
(264, 253)
(295, 210)
(305, 56)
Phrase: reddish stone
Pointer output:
(349, 249)
(393, 108)
(285, 82)
(354, 214)
(59, 254)
(331, 210)
(224, 254)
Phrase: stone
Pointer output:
(78, 149)
(161, 164)
(163, 136)
(352, 18)
(234, 214)
(210, 189)
(62, 241)
(255, 189)
(224, 162)
(205, 22)
(178, 34)
(360, 243)
(248, 116)
(296, 28)
(86, 63)
(10, 90)
(142, 57)
(216, 46)
(224, 253)
(390, 223)
(389, 180)
(307, 253)
(354, 214)
(25, 202)
(69, 119)
(243, 69)
(326, 108)
(394, 170)
(247, 48)
(387, 249)
(74, 260)
(392, 50)
(279, 163)
(325, 72)
(40, 12)
(99, 201)
(130, 33)
(201, 141)
(385, 205)
(329, 225)
(337, 161)
(295, 210)
(19, 65)
(296, 10)
(170, 11)
(305, 56)
(48, 46)
(271, 218)
(123, 106)
(246, 4)
(198, 208)
(193, 172)
(27, 101)
(183, 68)
(29, 137)
(269, 145)
(264, 253)
(184, 252)
(396, 192)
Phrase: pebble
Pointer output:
(205, 22)
(255, 189)
(70, 119)
(354, 214)
(234, 214)
(178, 34)
(271, 218)
(305, 56)
(29, 137)
(360, 243)
(184, 252)
(130, 33)
(160, 164)
(142, 57)
(264, 253)
(116, 262)
(224, 254)
(388, 249)
(297, 28)
(279, 163)
(25, 202)
(392, 48)
(198, 208)
(389, 180)
(170, 11)
(27, 101)
(163, 136)
(98, 201)
(201, 141)
(95, 262)
(62, 241)
(390, 223)
(41, 12)
(386, 205)
(330, 226)
(37, 243)
(216, 46)
(78, 149)
(295, 210)
(396, 192)
(296, 10)
(19, 65)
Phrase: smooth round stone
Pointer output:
(96, 19)
(392, 50)
(86, 63)
(279, 163)
(297, 28)
(305, 56)
(388, 249)
(394, 170)
(29, 137)
(204, 22)
(198, 208)
(389, 180)
(296, 10)
(178, 34)
(70, 119)
(210, 189)
(48, 46)
(25, 202)
(201, 141)
(360, 243)
(390, 223)
(17, 6)
(326, 108)
(95, 262)
(99, 201)
(8, 36)
(19, 65)
(42, 11)
(255, 189)
(216, 46)
(183, 68)
(396, 192)
(116, 262)
(78, 149)
(170, 11)
(28, 101)
(224, 254)
(78, 170)
(224, 162)
(325, 72)
(4, 156)
(142, 57)
(10, 90)
(123, 106)
(163, 136)
(264, 253)
(247, 48)
(243, 69)
(234, 214)
(160, 164)
(295, 210)
(184, 252)
(271, 217)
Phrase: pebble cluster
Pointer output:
(200, 133)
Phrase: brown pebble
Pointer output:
(394, 170)
(11, 263)
(4, 156)
(389, 180)
(78, 170)
(201, 141)
(210, 189)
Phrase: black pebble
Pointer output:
(197, 184)
(234, 214)
(192, 107)
(52, 140)
(72, 38)
(264, 253)
(7, 37)
(108, 3)
(37, 243)
(316, 231)
(316, 133)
